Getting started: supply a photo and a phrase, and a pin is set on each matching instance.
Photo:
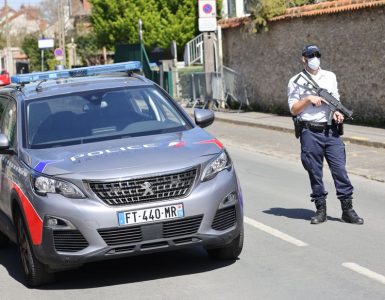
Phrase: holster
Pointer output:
(340, 129)
(297, 127)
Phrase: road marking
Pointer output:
(274, 232)
(364, 271)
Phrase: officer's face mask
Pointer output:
(314, 63)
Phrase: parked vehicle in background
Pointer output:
(4, 78)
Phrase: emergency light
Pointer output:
(78, 72)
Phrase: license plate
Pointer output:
(149, 215)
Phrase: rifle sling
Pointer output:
(311, 79)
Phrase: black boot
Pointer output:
(348, 213)
(320, 214)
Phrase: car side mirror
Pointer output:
(4, 142)
(203, 117)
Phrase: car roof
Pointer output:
(60, 82)
(80, 84)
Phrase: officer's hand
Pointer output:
(338, 117)
(315, 100)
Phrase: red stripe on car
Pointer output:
(213, 141)
(34, 222)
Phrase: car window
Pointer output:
(3, 105)
(100, 115)
(8, 126)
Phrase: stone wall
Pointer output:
(352, 45)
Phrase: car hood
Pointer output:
(126, 157)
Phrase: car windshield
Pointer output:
(100, 115)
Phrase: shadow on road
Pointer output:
(294, 213)
(10, 260)
(121, 271)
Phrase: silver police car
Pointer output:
(96, 166)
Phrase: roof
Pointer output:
(328, 7)
(30, 14)
(322, 8)
(234, 22)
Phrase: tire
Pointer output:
(4, 241)
(34, 271)
(230, 251)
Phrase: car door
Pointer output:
(9, 165)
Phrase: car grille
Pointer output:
(181, 227)
(121, 235)
(150, 189)
(118, 236)
(69, 241)
(224, 218)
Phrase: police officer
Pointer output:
(320, 140)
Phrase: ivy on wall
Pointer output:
(262, 10)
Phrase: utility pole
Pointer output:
(140, 36)
(8, 37)
(207, 24)
(209, 64)
(61, 30)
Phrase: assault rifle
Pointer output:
(328, 98)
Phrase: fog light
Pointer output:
(230, 199)
(57, 223)
(52, 222)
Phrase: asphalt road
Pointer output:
(284, 256)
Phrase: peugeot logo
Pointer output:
(147, 188)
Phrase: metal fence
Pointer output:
(193, 52)
(234, 87)
(226, 86)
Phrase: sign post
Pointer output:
(44, 44)
(207, 23)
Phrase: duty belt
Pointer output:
(315, 126)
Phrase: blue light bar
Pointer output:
(78, 72)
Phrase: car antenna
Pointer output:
(38, 87)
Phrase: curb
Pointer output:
(354, 140)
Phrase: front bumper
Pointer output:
(210, 221)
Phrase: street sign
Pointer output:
(207, 8)
(59, 53)
(207, 20)
(45, 43)
(207, 24)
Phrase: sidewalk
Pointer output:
(361, 135)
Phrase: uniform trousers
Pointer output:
(317, 145)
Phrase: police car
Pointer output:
(100, 163)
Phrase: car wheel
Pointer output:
(3, 240)
(35, 272)
(230, 251)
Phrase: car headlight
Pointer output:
(218, 164)
(43, 185)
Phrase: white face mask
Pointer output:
(314, 63)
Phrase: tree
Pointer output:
(2, 41)
(116, 22)
(49, 10)
(87, 49)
